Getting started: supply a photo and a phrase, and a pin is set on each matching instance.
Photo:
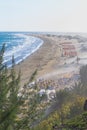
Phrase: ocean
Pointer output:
(19, 44)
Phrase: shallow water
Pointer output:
(18, 44)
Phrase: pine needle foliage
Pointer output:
(16, 112)
(9, 85)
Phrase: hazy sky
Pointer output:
(43, 15)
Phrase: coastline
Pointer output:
(46, 59)
(42, 60)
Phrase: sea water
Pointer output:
(18, 44)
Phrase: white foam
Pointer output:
(27, 46)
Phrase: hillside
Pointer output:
(67, 111)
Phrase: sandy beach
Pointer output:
(46, 59)
(43, 59)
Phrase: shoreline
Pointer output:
(46, 59)
(42, 59)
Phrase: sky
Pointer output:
(43, 15)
